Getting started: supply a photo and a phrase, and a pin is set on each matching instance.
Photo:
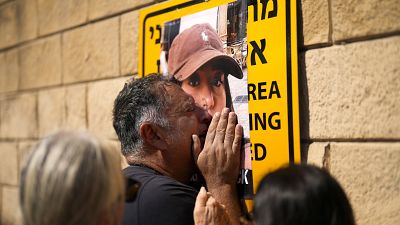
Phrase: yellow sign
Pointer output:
(261, 36)
(273, 85)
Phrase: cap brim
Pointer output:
(199, 59)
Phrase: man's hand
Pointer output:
(219, 160)
(207, 211)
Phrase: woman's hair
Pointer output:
(70, 178)
(301, 195)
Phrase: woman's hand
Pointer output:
(207, 211)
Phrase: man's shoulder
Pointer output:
(160, 200)
(159, 186)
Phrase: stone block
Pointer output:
(101, 96)
(10, 212)
(129, 43)
(370, 175)
(91, 52)
(18, 116)
(28, 20)
(318, 154)
(352, 92)
(315, 15)
(40, 63)
(8, 163)
(24, 150)
(100, 8)
(55, 15)
(51, 105)
(353, 19)
(75, 107)
(62, 109)
(9, 72)
(8, 24)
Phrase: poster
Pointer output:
(261, 40)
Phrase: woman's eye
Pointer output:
(194, 81)
(217, 81)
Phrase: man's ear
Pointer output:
(152, 135)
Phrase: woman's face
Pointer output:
(206, 85)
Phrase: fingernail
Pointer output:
(202, 189)
(226, 110)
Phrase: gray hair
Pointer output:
(141, 100)
(70, 178)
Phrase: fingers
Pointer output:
(200, 207)
(211, 202)
(237, 142)
(208, 211)
(216, 212)
(221, 128)
(230, 130)
(211, 129)
(201, 199)
(196, 147)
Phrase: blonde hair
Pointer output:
(70, 178)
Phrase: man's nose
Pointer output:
(204, 116)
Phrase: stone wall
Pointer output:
(63, 62)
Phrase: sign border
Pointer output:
(289, 81)
(288, 61)
(155, 13)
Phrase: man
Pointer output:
(161, 130)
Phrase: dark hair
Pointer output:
(301, 195)
(139, 100)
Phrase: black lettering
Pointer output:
(158, 27)
(262, 90)
(251, 121)
(274, 90)
(261, 121)
(260, 152)
(151, 29)
(251, 88)
(259, 51)
(254, 3)
(277, 124)
(272, 13)
(264, 3)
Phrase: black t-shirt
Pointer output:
(161, 200)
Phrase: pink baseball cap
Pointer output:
(196, 46)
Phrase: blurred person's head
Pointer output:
(198, 62)
(301, 195)
(70, 178)
(155, 120)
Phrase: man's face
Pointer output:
(185, 119)
(207, 87)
